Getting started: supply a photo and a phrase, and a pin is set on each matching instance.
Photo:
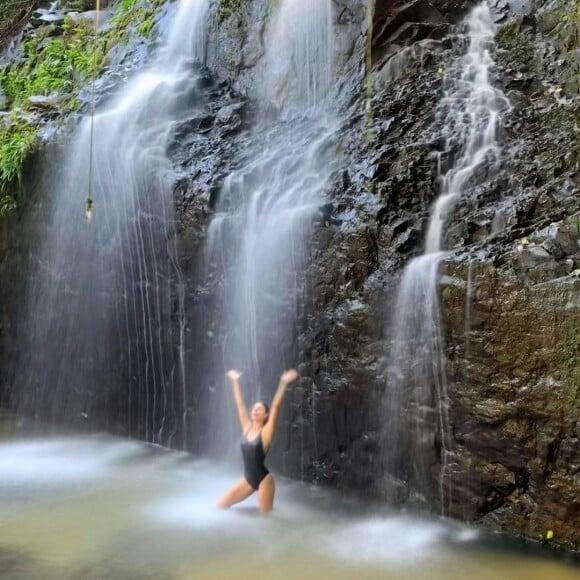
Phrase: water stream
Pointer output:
(258, 244)
(417, 397)
(300, 53)
(98, 338)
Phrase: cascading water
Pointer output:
(258, 240)
(469, 113)
(102, 304)
(300, 53)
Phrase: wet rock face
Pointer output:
(512, 337)
(238, 41)
(515, 398)
(513, 388)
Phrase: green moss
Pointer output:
(566, 35)
(508, 33)
(136, 16)
(570, 363)
(519, 41)
(127, 12)
(560, 24)
(517, 428)
(145, 28)
(228, 7)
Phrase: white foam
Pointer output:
(395, 540)
(58, 461)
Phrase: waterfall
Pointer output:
(469, 112)
(98, 335)
(258, 242)
(417, 397)
(300, 52)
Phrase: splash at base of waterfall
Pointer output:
(98, 507)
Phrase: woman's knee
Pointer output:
(222, 504)
(239, 492)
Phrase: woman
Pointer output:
(257, 437)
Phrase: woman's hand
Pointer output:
(269, 429)
(289, 376)
(233, 375)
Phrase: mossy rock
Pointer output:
(518, 40)
(227, 8)
(561, 24)
(569, 350)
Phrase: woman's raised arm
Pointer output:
(234, 377)
(269, 429)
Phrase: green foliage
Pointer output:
(17, 141)
(145, 28)
(16, 145)
(47, 65)
(127, 5)
(65, 63)
(138, 15)
(51, 65)
(60, 65)
(125, 13)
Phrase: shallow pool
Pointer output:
(103, 508)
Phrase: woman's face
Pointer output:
(259, 414)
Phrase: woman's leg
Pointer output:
(237, 493)
(266, 493)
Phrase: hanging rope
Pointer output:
(89, 202)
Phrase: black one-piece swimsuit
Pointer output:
(253, 454)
